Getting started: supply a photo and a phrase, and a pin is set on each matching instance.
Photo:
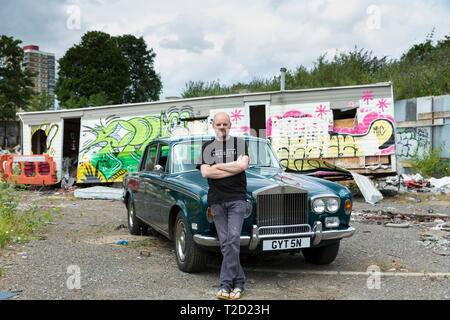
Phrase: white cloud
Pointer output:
(232, 40)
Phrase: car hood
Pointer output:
(258, 178)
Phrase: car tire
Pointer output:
(135, 225)
(190, 258)
(322, 255)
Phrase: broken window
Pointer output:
(345, 117)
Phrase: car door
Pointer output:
(139, 194)
(162, 194)
(149, 210)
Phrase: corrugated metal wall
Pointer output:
(421, 123)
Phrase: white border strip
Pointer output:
(354, 273)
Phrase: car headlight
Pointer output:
(318, 206)
(248, 212)
(332, 205)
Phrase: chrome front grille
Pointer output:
(277, 213)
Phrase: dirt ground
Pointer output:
(78, 258)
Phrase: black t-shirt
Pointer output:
(230, 188)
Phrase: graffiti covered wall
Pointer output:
(300, 132)
(240, 120)
(412, 142)
(53, 142)
(111, 147)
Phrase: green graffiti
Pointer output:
(118, 144)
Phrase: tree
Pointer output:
(145, 84)
(15, 84)
(98, 99)
(93, 66)
(42, 102)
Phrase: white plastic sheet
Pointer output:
(99, 193)
(368, 189)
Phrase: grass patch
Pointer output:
(17, 225)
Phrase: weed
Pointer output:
(430, 164)
(19, 225)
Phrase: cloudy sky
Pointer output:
(230, 40)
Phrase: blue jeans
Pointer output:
(228, 219)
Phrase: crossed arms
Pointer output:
(224, 170)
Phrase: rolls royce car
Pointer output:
(285, 211)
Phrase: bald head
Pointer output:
(221, 125)
(222, 116)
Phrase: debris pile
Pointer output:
(15, 150)
(435, 228)
(388, 217)
(414, 183)
(437, 238)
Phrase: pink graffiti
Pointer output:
(322, 111)
(236, 115)
(243, 129)
(352, 104)
(382, 103)
(363, 127)
(367, 95)
(288, 114)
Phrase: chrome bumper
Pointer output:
(316, 235)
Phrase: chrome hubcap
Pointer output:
(181, 241)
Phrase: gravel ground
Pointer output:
(84, 240)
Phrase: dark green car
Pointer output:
(285, 212)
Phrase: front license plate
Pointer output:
(285, 244)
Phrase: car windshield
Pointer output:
(185, 155)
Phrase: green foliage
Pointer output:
(42, 102)
(95, 65)
(98, 99)
(18, 225)
(104, 70)
(430, 164)
(214, 88)
(15, 84)
(421, 71)
(145, 84)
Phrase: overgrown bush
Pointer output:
(429, 164)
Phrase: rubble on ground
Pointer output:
(414, 184)
(14, 150)
(434, 228)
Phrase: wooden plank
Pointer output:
(372, 160)
(418, 123)
(437, 115)
(344, 123)
(406, 164)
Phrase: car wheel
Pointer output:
(135, 226)
(322, 255)
(190, 258)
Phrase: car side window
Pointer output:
(162, 156)
(151, 158)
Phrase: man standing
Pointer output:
(224, 161)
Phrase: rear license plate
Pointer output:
(285, 244)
